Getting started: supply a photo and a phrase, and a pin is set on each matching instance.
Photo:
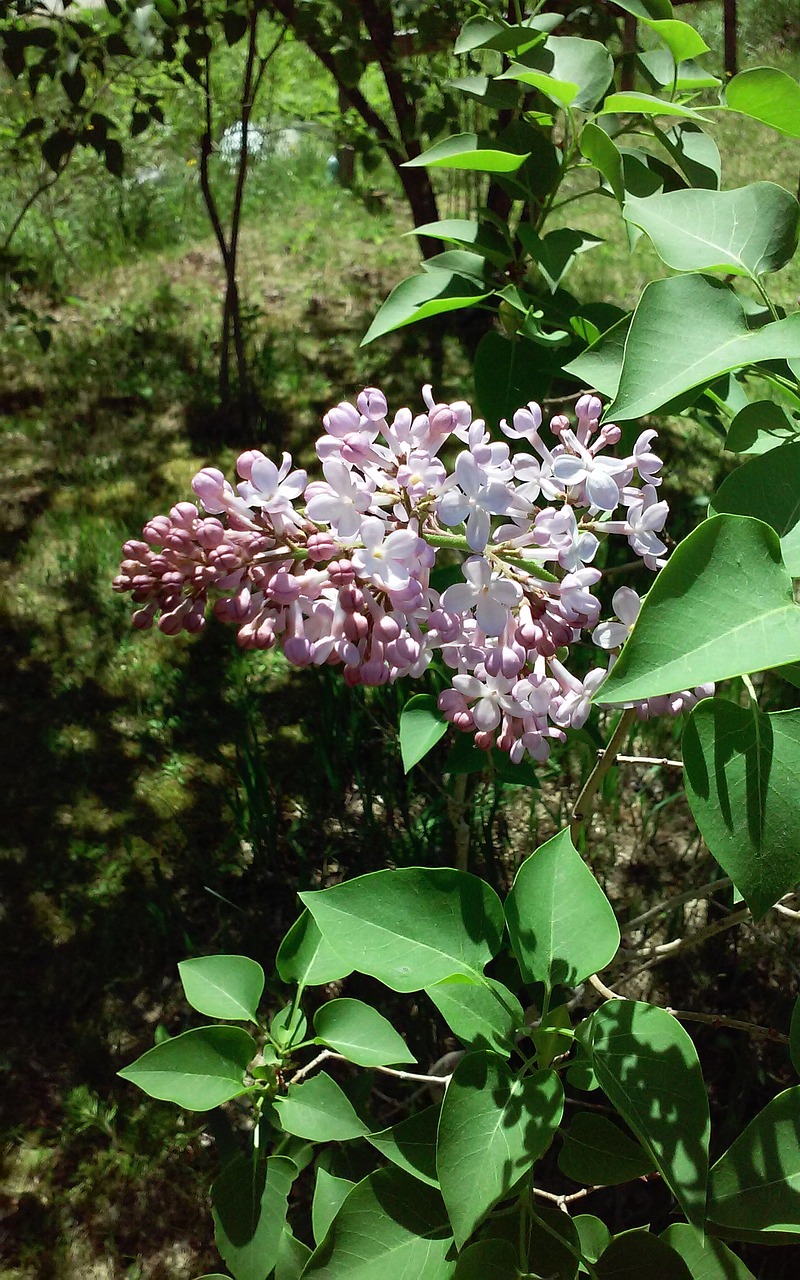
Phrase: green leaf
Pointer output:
(508, 373)
(600, 365)
(412, 927)
(320, 1111)
(695, 153)
(597, 1153)
(750, 231)
(481, 237)
(644, 104)
(488, 1260)
(430, 294)
(759, 427)
(768, 95)
(473, 266)
(493, 1127)
(755, 1186)
(638, 1253)
(555, 253)
(360, 1033)
(389, 1226)
(722, 607)
(742, 774)
(484, 1015)
(292, 1257)
(466, 151)
(567, 69)
(706, 1258)
(223, 986)
(306, 958)
(554, 1243)
(198, 1070)
(768, 487)
(680, 38)
(411, 1144)
(646, 9)
(249, 1201)
(561, 925)
(603, 153)
(422, 725)
(484, 33)
(649, 1070)
(330, 1194)
(687, 331)
(593, 1234)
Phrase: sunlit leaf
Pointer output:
(223, 986)
(198, 1070)
(723, 606)
(768, 95)
(360, 1033)
(561, 925)
(412, 927)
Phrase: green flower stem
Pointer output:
(604, 762)
(457, 542)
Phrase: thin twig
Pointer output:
(328, 1055)
(708, 1019)
(604, 761)
(561, 1202)
(690, 895)
(666, 950)
(662, 760)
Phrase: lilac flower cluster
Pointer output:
(339, 570)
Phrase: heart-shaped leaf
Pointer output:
(742, 770)
(430, 294)
(484, 1015)
(467, 151)
(360, 1033)
(306, 958)
(686, 332)
(597, 1153)
(755, 1186)
(561, 925)
(706, 1258)
(750, 231)
(567, 69)
(320, 1111)
(412, 927)
(249, 1207)
(411, 1144)
(768, 95)
(759, 427)
(390, 1226)
(198, 1070)
(422, 725)
(768, 487)
(649, 1070)
(223, 986)
(493, 1127)
(723, 606)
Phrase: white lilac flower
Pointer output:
(339, 500)
(272, 489)
(475, 499)
(626, 604)
(386, 561)
(490, 595)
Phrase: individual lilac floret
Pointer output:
(339, 570)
